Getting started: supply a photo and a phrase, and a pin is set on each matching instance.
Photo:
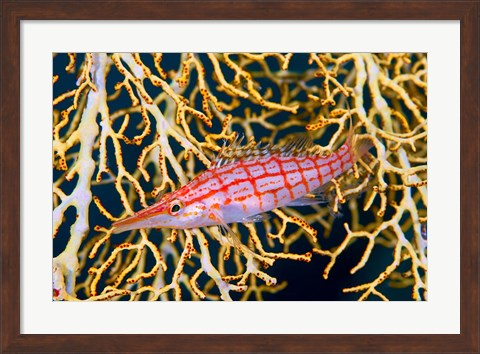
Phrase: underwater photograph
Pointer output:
(239, 176)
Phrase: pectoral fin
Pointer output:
(256, 218)
(227, 232)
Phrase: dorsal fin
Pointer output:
(298, 146)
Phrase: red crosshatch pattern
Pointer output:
(267, 182)
(238, 191)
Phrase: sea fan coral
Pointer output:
(129, 127)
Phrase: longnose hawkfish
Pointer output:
(245, 182)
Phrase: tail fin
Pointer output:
(360, 147)
(350, 130)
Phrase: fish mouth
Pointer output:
(129, 223)
(139, 220)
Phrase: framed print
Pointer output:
(246, 183)
(169, 153)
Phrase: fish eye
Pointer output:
(175, 207)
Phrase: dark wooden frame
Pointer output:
(467, 12)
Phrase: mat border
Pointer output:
(13, 12)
